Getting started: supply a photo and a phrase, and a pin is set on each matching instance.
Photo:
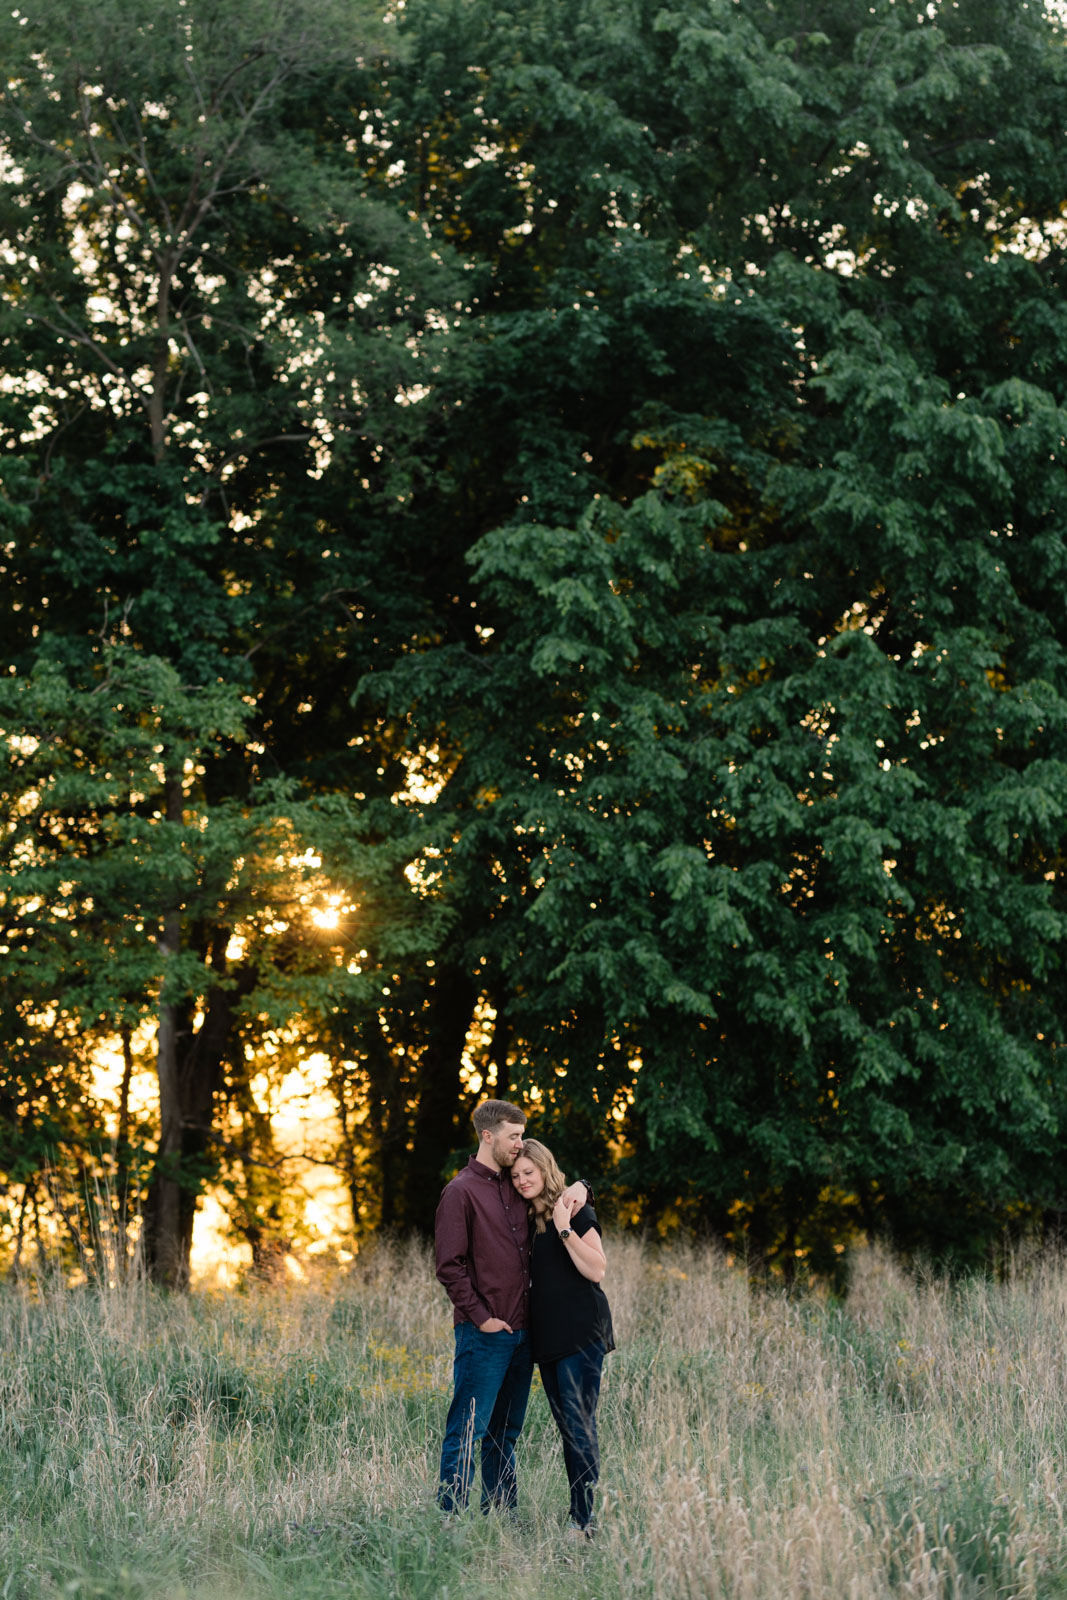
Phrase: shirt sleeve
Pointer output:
(453, 1244)
(585, 1219)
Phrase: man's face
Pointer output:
(507, 1142)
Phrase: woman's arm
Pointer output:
(586, 1251)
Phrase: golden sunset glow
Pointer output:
(305, 1131)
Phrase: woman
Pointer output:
(570, 1321)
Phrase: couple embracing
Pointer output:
(521, 1259)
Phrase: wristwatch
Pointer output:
(565, 1233)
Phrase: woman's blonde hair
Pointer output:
(555, 1181)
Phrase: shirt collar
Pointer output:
(482, 1171)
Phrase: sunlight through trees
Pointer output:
(534, 549)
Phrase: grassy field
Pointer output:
(283, 1443)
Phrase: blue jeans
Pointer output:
(572, 1388)
(491, 1385)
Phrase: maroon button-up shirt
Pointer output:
(482, 1234)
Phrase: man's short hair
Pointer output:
(491, 1113)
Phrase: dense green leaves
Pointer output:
(609, 459)
(781, 737)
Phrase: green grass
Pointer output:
(909, 1441)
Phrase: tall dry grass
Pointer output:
(907, 1442)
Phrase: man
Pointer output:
(483, 1260)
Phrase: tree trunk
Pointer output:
(350, 1162)
(27, 1190)
(165, 1253)
(200, 1079)
(498, 1054)
(122, 1154)
(185, 1158)
(385, 1111)
(42, 1253)
(165, 1260)
(158, 391)
(436, 1131)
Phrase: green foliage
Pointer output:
(207, 324)
(767, 742)
(94, 861)
(608, 462)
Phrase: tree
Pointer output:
(207, 325)
(759, 746)
(614, 453)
